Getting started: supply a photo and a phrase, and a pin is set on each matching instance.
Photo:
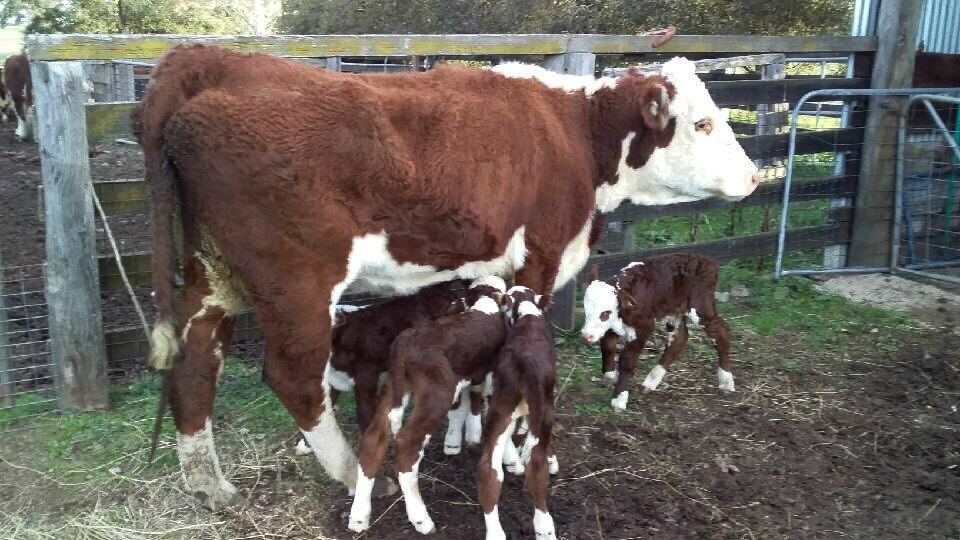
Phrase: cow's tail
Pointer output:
(164, 342)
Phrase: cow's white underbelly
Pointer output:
(574, 256)
(372, 268)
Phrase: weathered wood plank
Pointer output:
(736, 248)
(76, 331)
(123, 196)
(108, 47)
(808, 142)
(727, 93)
(108, 121)
(766, 193)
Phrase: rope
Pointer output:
(116, 255)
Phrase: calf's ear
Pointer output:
(626, 301)
(656, 109)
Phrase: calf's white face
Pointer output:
(702, 160)
(600, 311)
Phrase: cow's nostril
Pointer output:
(755, 179)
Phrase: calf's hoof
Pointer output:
(610, 376)
(725, 380)
(451, 450)
(424, 526)
(359, 524)
(619, 403)
(516, 468)
(553, 466)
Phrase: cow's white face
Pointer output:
(600, 311)
(702, 160)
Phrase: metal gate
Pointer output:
(840, 162)
(926, 234)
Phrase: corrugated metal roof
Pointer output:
(939, 24)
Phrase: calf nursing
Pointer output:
(675, 288)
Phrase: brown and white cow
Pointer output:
(388, 182)
(675, 288)
(16, 78)
(433, 362)
(522, 387)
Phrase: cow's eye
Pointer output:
(705, 125)
(604, 316)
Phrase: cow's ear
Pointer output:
(656, 107)
(725, 114)
(626, 301)
(506, 301)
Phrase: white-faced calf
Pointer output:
(676, 288)
(523, 386)
(433, 362)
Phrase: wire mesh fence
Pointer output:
(27, 384)
(927, 240)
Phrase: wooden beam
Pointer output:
(76, 331)
(726, 250)
(808, 142)
(110, 47)
(107, 122)
(893, 68)
(123, 196)
(727, 93)
(766, 193)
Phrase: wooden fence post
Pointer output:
(77, 345)
(563, 313)
(893, 68)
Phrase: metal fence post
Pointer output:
(73, 292)
(563, 313)
(6, 367)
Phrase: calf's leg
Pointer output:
(718, 331)
(628, 363)
(501, 420)
(474, 429)
(608, 351)
(677, 335)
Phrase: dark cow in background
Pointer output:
(675, 288)
(6, 103)
(16, 79)
(390, 183)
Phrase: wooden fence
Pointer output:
(56, 67)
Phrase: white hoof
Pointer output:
(553, 466)
(725, 379)
(610, 375)
(451, 450)
(543, 525)
(474, 429)
(302, 449)
(654, 378)
(359, 524)
(424, 526)
(619, 403)
(516, 468)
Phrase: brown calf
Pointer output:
(362, 340)
(16, 78)
(676, 288)
(433, 362)
(523, 387)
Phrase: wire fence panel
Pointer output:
(927, 235)
(838, 144)
(27, 385)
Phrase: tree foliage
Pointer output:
(771, 17)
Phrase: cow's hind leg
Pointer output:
(194, 384)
